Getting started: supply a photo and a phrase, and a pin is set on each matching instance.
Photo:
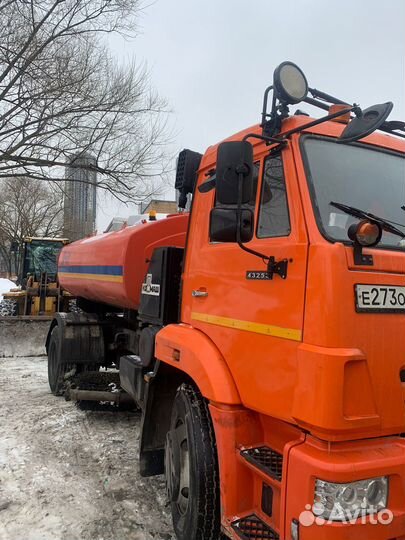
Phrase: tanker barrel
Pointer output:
(110, 268)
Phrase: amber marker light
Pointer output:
(365, 233)
(345, 118)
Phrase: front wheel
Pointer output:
(191, 467)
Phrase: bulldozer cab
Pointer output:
(40, 256)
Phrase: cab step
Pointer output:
(252, 527)
(267, 460)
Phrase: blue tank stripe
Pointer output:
(101, 270)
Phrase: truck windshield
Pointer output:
(42, 257)
(355, 175)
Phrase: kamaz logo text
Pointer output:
(153, 289)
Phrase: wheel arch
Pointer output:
(184, 355)
(191, 351)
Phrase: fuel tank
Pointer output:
(111, 267)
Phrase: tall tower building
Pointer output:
(80, 199)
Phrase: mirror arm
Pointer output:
(316, 103)
(239, 222)
(326, 97)
(265, 138)
(394, 126)
(208, 185)
(269, 140)
(402, 135)
(320, 121)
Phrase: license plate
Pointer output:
(380, 298)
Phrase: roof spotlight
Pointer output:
(290, 83)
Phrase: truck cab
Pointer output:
(314, 353)
(308, 316)
(266, 350)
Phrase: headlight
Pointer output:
(338, 502)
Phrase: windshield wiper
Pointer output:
(361, 214)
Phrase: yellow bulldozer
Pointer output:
(39, 292)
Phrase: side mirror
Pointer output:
(224, 225)
(361, 126)
(234, 160)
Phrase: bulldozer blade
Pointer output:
(23, 336)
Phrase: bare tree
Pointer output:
(63, 93)
(27, 209)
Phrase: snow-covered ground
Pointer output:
(5, 286)
(68, 473)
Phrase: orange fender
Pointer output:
(191, 351)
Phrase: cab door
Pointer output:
(255, 322)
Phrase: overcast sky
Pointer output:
(212, 59)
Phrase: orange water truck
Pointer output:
(263, 333)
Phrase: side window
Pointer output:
(274, 219)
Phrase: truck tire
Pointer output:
(56, 370)
(191, 468)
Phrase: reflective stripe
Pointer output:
(258, 328)
(93, 277)
(91, 269)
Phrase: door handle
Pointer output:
(199, 293)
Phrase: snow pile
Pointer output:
(5, 286)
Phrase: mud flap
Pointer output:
(81, 338)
